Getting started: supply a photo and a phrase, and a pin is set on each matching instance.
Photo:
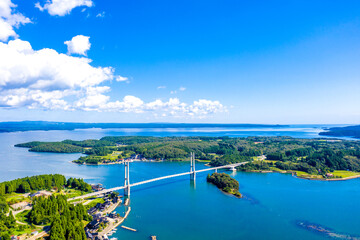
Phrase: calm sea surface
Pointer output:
(273, 206)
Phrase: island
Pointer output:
(320, 159)
(225, 183)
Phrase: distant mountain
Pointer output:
(44, 125)
(349, 131)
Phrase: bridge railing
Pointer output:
(154, 180)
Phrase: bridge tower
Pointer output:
(192, 167)
(127, 179)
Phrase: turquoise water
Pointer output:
(177, 209)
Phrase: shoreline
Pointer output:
(305, 178)
(106, 231)
(253, 171)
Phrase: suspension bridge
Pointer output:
(127, 186)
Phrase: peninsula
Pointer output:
(321, 159)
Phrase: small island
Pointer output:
(225, 183)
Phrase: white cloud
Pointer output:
(121, 78)
(161, 87)
(46, 79)
(79, 45)
(174, 107)
(25, 74)
(100, 15)
(181, 89)
(62, 7)
(10, 19)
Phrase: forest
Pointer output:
(42, 182)
(313, 156)
(55, 211)
(65, 218)
(224, 182)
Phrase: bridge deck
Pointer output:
(154, 180)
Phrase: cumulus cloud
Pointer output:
(62, 7)
(25, 74)
(173, 107)
(79, 45)
(182, 89)
(46, 79)
(9, 20)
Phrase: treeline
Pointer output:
(79, 184)
(34, 183)
(65, 218)
(90, 143)
(319, 161)
(42, 182)
(55, 147)
(7, 223)
(224, 182)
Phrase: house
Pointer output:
(96, 216)
(97, 187)
(92, 210)
(94, 224)
(89, 235)
(112, 215)
(329, 175)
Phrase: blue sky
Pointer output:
(181, 61)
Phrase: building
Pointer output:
(92, 210)
(97, 187)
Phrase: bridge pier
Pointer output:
(192, 167)
(233, 169)
(127, 179)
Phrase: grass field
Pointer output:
(345, 174)
(307, 175)
(94, 202)
(15, 198)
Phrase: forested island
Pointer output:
(225, 183)
(307, 158)
(25, 209)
